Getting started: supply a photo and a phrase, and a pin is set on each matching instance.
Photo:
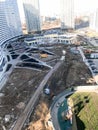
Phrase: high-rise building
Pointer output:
(32, 15)
(94, 20)
(10, 25)
(67, 14)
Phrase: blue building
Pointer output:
(32, 15)
(10, 25)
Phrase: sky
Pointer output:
(49, 7)
(85, 5)
(52, 7)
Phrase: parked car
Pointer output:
(93, 68)
(90, 61)
(95, 71)
(93, 65)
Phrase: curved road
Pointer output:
(54, 108)
(21, 120)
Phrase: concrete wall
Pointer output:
(87, 88)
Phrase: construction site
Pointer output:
(73, 72)
(23, 83)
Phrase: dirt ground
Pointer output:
(73, 72)
(21, 85)
(17, 92)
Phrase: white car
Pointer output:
(95, 71)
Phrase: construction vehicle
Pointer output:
(43, 55)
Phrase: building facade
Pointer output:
(32, 15)
(94, 20)
(67, 14)
(10, 25)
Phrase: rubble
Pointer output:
(7, 118)
(20, 105)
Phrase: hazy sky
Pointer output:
(49, 7)
(52, 7)
(85, 5)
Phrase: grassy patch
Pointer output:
(86, 110)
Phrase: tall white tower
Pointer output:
(94, 20)
(32, 15)
(67, 14)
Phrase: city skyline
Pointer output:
(49, 8)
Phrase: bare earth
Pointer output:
(23, 83)
(73, 72)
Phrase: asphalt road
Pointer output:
(54, 108)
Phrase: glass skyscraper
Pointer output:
(32, 15)
(10, 25)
